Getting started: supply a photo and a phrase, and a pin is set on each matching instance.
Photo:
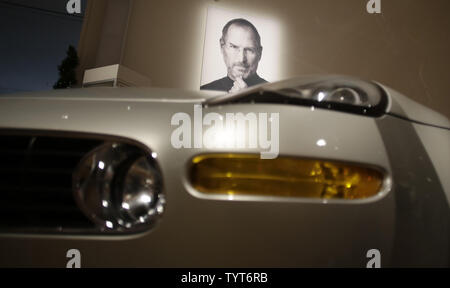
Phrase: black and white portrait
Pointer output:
(235, 56)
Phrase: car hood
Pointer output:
(135, 94)
(399, 105)
(406, 108)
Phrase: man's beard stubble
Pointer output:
(241, 70)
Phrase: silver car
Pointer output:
(316, 171)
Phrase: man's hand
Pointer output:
(238, 85)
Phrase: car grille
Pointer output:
(36, 183)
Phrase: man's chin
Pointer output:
(240, 75)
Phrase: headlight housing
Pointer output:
(119, 187)
(341, 93)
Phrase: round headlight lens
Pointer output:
(139, 192)
(344, 95)
(119, 187)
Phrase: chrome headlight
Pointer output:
(341, 93)
(345, 95)
(119, 187)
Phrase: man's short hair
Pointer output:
(242, 23)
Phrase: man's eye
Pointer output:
(250, 51)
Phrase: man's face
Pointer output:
(240, 52)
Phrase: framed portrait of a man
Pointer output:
(237, 52)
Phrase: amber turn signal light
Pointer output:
(247, 174)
